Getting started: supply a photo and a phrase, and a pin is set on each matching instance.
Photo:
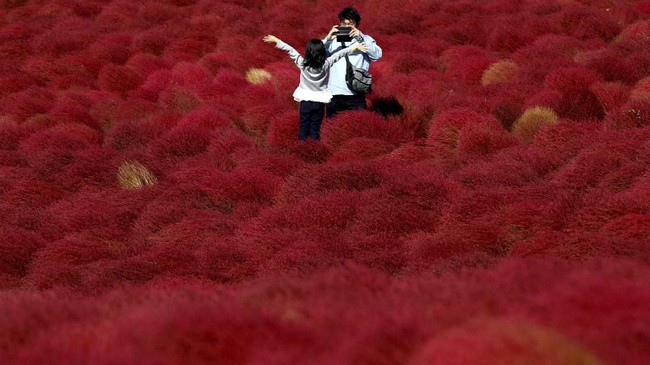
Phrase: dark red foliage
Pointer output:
(580, 104)
(28, 102)
(283, 130)
(570, 78)
(420, 231)
(353, 124)
(118, 79)
(17, 247)
(145, 63)
(466, 63)
(11, 135)
(114, 47)
(633, 114)
(183, 140)
(447, 131)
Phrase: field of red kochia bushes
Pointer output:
(492, 206)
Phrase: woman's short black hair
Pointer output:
(315, 54)
(350, 13)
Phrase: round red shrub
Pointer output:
(484, 139)
(182, 141)
(17, 248)
(633, 114)
(118, 79)
(611, 95)
(567, 138)
(283, 130)
(359, 123)
(580, 104)
(26, 103)
(445, 129)
(113, 47)
(588, 23)
(504, 341)
(154, 40)
(361, 148)
(11, 135)
(66, 36)
(571, 78)
(146, 63)
(466, 63)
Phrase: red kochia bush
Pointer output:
(566, 79)
(111, 210)
(610, 94)
(517, 166)
(633, 114)
(361, 148)
(546, 53)
(118, 79)
(93, 166)
(113, 47)
(596, 162)
(206, 117)
(31, 192)
(504, 341)
(11, 135)
(580, 104)
(17, 247)
(73, 107)
(146, 63)
(484, 139)
(351, 175)
(68, 35)
(567, 138)
(154, 40)
(283, 130)
(239, 185)
(125, 135)
(360, 123)
(458, 128)
(185, 140)
(49, 151)
(179, 100)
(588, 23)
(466, 63)
(25, 103)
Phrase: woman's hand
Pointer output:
(361, 47)
(270, 39)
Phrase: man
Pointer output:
(344, 99)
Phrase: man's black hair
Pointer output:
(315, 54)
(350, 13)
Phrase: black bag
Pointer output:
(358, 80)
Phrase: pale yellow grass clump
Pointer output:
(500, 72)
(531, 121)
(257, 75)
(133, 175)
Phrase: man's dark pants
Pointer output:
(341, 103)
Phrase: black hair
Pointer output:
(315, 54)
(350, 13)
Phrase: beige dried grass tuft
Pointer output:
(133, 175)
(257, 75)
(527, 125)
(500, 72)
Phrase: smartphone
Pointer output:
(343, 34)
